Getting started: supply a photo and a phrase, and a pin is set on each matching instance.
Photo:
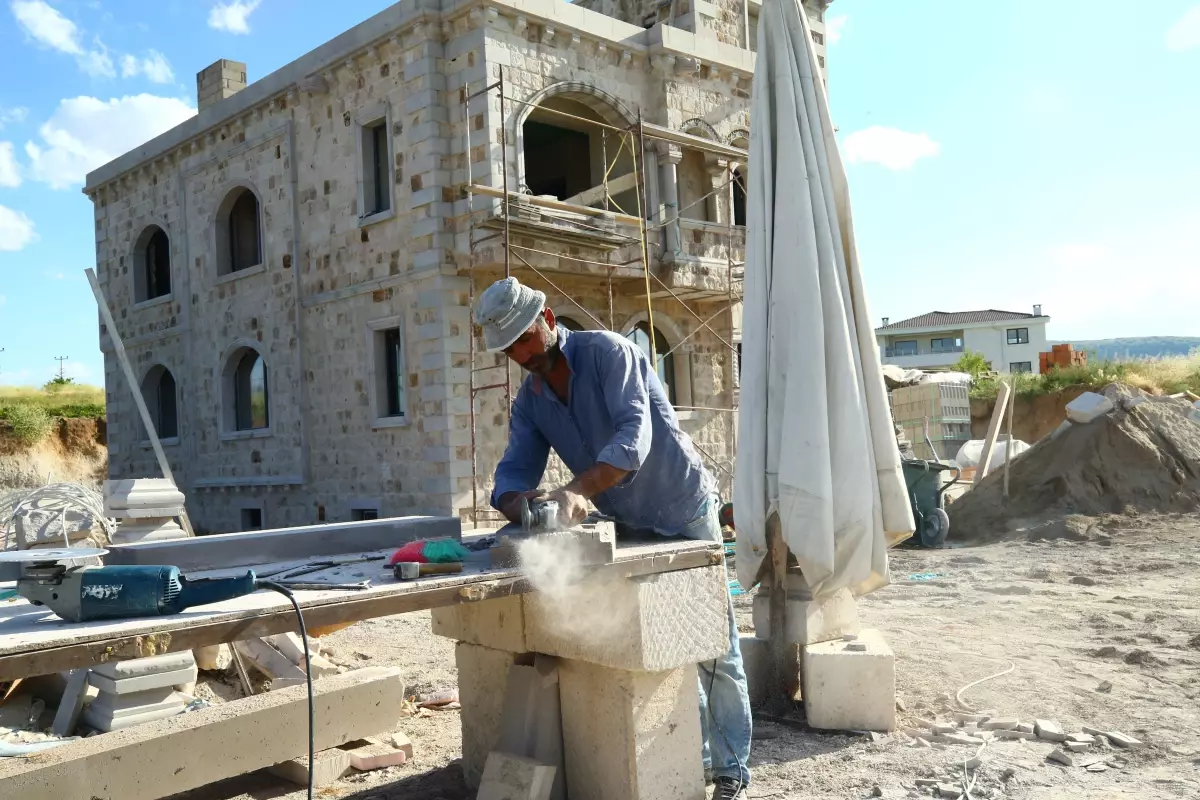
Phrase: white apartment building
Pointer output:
(1010, 340)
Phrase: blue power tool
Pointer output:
(81, 593)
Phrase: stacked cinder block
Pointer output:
(625, 661)
(139, 690)
(146, 509)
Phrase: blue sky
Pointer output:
(1000, 154)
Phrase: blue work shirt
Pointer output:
(617, 412)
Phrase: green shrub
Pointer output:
(30, 423)
(972, 363)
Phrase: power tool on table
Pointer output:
(85, 592)
(539, 516)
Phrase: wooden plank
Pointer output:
(597, 193)
(163, 758)
(993, 431)
(695, 142)
(557, 205)
(69, 646)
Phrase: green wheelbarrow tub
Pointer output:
(927, 496)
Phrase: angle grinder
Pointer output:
(540, 516)
(79, 592)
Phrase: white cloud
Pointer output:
(10, 175)
(833, 28)
(1185, 34)
(154, 66)
(46, 25)
(16, 230)
(12, 116)
(85, 133)
(889, 147)
(232, 17)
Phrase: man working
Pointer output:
(595, 398)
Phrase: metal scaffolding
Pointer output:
(600, 221)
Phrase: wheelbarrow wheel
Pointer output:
(935, 528)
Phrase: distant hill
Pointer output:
(1137, 347)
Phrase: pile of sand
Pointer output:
(1140, 459)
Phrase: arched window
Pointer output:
(152, 265)
(567, 156)
(568, 323)
(239, 234)
(640, 335)
(245, 392)
(162, 401)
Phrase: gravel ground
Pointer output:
(1112, 600)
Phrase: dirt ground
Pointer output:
(1114, 601)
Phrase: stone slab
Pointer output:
(585, 545)
(371, 754)
(482, 680)
(652, 623)
(811, 621)
(511, 777)
(142, 683)
(531, 722)
(113, 704)
(104, 722)
(1049, 730)
(850, 689)
(221, 551)
(655, 718)
(328, 766)
(134, 667)
(499, 623)
(201, 747)
(756, 662)
(70, 706)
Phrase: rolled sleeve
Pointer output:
(628, 403)
(524, 461)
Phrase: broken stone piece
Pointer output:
(956, 738)
(1075, 747)
(1082, 738)
(1105, 687)
(1000, 724)
(1062, 758)
(925, 783)
(1119, 739)
(945, 727)
(963, 719)
(1027, 727)
(1007, 734)
(1049, 730)
(949, 790)
(329, 766)
(371, 754)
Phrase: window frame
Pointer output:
(223, 239)
(1012, 367)
(154, 406)
(230, 367)
(1008, 336)
(377, 368)
(258, 507)
(956, 346)
(894, 347)
(141, 267)
(379, 115)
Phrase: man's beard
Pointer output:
(541, 365)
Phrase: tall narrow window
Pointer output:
(739, 197)
(376, 156)
(394, 375)
(159, 391)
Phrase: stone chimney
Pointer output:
(1037, 310)
(885, 322)
(218, 81)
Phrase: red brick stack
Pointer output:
(1062, 355)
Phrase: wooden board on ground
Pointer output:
(33, 641)
(163, 758)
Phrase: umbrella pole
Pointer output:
(784, 664)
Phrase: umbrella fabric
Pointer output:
(816, 442)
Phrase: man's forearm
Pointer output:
(597, 479)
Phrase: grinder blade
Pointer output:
(50, 554)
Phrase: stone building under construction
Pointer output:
(292, 270)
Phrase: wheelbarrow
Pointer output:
(926, 492)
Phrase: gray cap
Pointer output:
(505, 310)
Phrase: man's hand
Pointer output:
(572, 506)
(510, 503)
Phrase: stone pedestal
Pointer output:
(627, 649)
(139, 690)
(145, 508)
(809, 621)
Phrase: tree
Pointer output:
(972, 363)
(57, 382)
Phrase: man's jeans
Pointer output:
(725, 721)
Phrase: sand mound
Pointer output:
(1145, 459)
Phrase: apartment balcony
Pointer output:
(922, 358)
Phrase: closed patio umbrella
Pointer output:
(816, 443)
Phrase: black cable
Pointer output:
(312, 717)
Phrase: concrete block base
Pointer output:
(756, 661)
(810, 621)
(630, 735)
(850, 689)
(329, 765)
(499, 623)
